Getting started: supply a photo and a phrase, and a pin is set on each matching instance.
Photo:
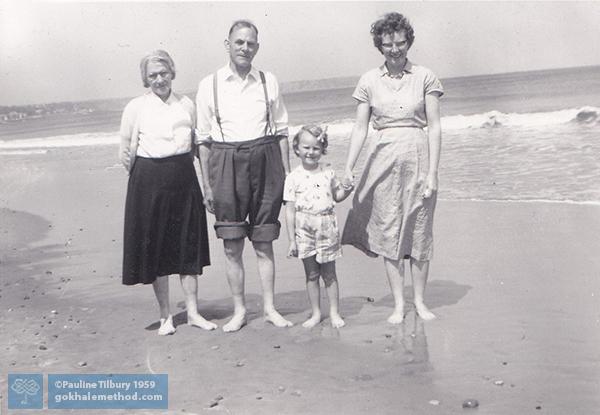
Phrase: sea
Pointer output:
(523, 136)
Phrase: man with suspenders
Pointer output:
(243, 125)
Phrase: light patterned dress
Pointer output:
(389, 215)
(316, 224)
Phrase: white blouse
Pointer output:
(164, 128)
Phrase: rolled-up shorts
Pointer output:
(247, 180)
(317, 234)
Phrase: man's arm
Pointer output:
(284, 145)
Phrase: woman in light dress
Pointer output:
(392, 210)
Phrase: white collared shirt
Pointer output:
(165, 128)
(241, 107)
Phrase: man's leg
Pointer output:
(266, 270)
(235, 275)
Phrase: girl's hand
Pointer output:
(431, 185)
(292, 250)
(209, 201)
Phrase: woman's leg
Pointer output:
(330, 279)
(420, 272)
(312, 271)
(161, 290)
(395, 274)
(189, 284)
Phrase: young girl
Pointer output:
(310, 194)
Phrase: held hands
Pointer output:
(348, 180)
(431, 185)
(292, 250)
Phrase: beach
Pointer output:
(514, 283)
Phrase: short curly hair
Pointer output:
(156, 56)
(391, 23)
(316, 132)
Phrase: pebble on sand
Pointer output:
(81, 364)
(239, 364)
(470, 403)
(499, 383)
(370, 299)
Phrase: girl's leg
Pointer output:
(420, 272)
(311, 269)
(330, 278)
(395, 274)
(189, 284)
(161, 291)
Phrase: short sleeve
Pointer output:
(361, 92)
(289, 188)
(128, 119)
(433, 84)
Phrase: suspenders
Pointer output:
(268, 107)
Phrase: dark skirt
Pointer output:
(165, 221)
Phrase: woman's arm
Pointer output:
(434, 132)
(204, 153)
(125, 132)
(357, 138)
(290, 222)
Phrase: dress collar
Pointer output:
(408, 68)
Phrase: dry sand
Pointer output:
(516, 287)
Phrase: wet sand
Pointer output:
(515, 286)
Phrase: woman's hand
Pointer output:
(348, 180)
(209, 201)
(431, 185)
(292, 250)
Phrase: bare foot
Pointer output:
(397, 317)
(166, 326)
(237, 322)
(312, 321)
(337, 321)
(199, 321)
(277, 319)
(424, 312)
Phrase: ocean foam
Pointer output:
(71, 140)
(583, 115)
(343, 128)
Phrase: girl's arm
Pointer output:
(204, 153)
(434, 132)
(290, 222)
(357, 139)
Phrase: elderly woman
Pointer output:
(392, 210)
(165, 220)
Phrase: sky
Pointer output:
(54, 51)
